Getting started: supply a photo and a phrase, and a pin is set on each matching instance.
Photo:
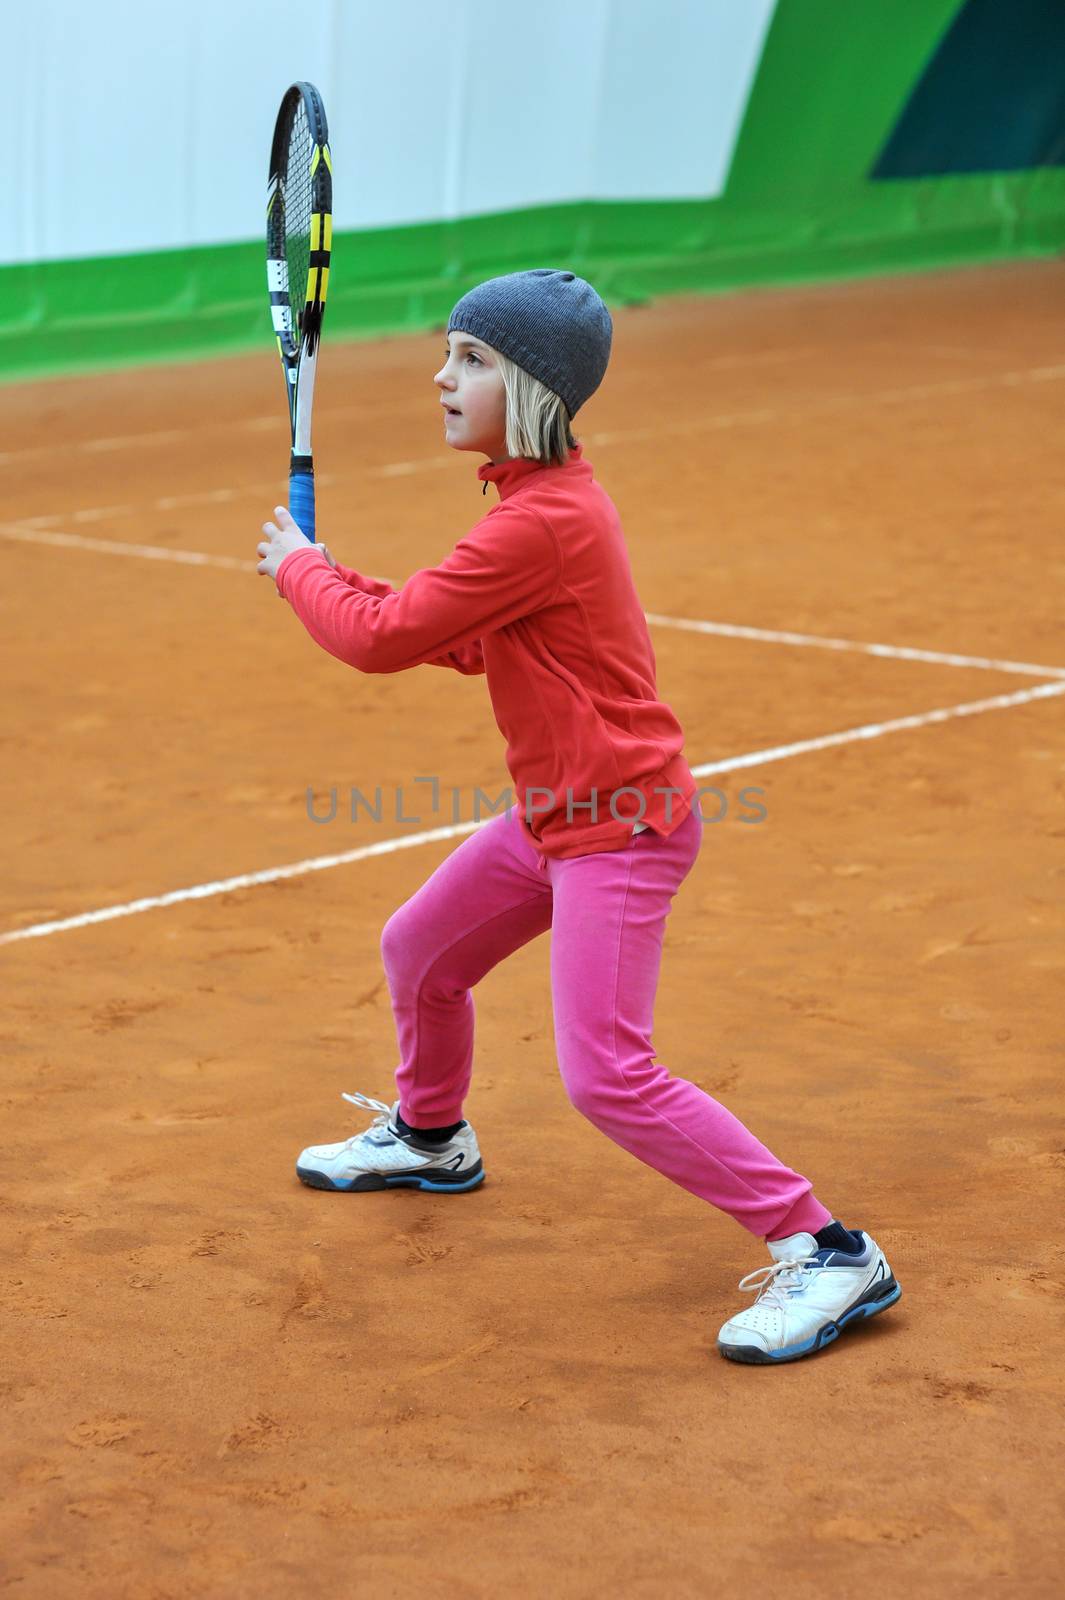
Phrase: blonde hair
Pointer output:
(538, 424)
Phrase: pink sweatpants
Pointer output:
(607, 913)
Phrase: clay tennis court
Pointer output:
(218, 1382)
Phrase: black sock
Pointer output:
(834, 1236)
(429, 1135)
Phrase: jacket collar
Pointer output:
(509, 475)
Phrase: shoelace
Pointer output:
(774, 1281)
(380, 1122)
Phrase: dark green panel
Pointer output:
(992, 98)
(829, 87)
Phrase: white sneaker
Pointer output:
(383, 1158)
(807, 1297)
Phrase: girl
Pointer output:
(539, 597)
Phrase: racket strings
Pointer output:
(297, 196)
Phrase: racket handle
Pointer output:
(301, 494)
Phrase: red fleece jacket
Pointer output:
(539, 596)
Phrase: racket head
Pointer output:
(299, 221)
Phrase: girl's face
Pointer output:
(472, 392)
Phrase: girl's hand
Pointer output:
(281, 539)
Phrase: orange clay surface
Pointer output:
(218, 1382)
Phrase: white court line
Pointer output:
(893, 652)
(442, 463)
(167, 502)
(798, 412)
(118, 547)
(403, 469)
(31, 533)
(129, 441)
(295, 869)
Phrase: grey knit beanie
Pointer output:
(551, 323)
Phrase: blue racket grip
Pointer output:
(301, 496)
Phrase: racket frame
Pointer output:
(298, 346)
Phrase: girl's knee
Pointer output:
(587, 1095)
(396, 940)
(415, 958)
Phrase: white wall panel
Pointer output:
(20, 151)
(140, 128)
(244, 61)
(114, 154)
(676, 80)
(529, 109)
(396, 117)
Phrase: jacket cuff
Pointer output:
(301, 550)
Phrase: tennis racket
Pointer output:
(299, 237)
